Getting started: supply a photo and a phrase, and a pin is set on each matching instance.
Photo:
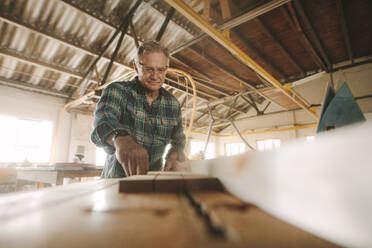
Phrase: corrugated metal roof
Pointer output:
(49, 45)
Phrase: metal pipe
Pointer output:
(209, 131)
(238, 132)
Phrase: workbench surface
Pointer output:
(55, 175)
(95, 214)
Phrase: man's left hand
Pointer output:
(174, 165)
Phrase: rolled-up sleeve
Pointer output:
(110, 110)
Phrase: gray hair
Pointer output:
(149, 47)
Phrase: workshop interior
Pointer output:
(276, 108)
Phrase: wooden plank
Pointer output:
(105, 218)
(195, 183)
(15, 205)
(279, 98)
(322, 187)
(137, 220)
(136, 184)
(168, 182)
(251, 227)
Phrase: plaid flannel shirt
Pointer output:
(124, 106)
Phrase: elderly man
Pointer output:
(135, 120)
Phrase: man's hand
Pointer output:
(132, 157)
(174, 165)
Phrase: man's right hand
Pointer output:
(133, 158)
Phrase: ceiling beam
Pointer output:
(247, 16)
(345, 30)
(187, 89)
(135, 37)
(203, 113)
(241, 118)
(216, 86)
(74, 44)
(211, 60)
(199, 93)
(162, 8)
(316, 39)
(237, 52)
(107, 22)
(271, 35)
(295, 24)
(217, 64)
(225, 9)
(37, 62)
(259, 55)
(50, 35)
(165, 24)
(204, 98)
(207, 10)
(30, 87)
(252, 103)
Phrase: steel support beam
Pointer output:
(249, 15)
(252, 103)
(136, 42)
(295, 24)
(231, 47)
(345, 30)
(312, 32)
(165, 24)
(122, 29)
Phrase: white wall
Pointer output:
(34, 106)
(80, 136)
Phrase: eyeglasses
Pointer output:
(151, 70)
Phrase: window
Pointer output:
(197, 147)
(234, 148)
(100, 156)
(268, 144)
(25, 140)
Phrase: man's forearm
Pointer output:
(109, 140)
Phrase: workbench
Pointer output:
(97, 214)
(54, 174)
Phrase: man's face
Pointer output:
(151, 70)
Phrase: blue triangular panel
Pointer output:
(342, 110)
(328, 98)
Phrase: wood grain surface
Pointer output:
(96, 214)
